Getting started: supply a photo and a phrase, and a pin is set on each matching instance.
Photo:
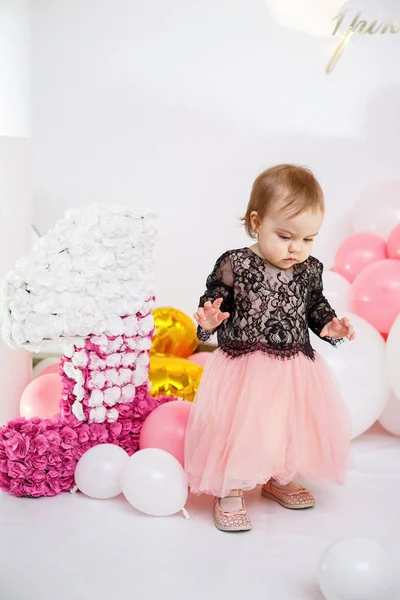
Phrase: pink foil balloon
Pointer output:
(394, 243)
(41, 397)
(357, 252)
(165, 428)
(376, 294)
(200, 358)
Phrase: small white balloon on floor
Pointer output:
(155, 483)
(356, 569)
(99, 471)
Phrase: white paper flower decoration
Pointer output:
(92, 269)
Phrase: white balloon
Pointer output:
(390, 418)
(337, 290)
(98, 472)
(393, 356)
(356, 569)
(311, 17)
(155, 483)
(361, 372)
(378, 208)
(43, 364)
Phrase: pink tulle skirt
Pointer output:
(257, 417)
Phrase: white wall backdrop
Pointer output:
(15, 179)
(15, 46)
(178, 104)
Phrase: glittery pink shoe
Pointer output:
(237, 520)
(297, 499)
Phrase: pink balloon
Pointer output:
(376, 294)
(394, 243)
(199, 358)
(51, 369)
(165, 428)
(357, 252)
(41, 397)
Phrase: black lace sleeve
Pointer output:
(320, 312)
(219, 285)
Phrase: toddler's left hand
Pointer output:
(338, 329)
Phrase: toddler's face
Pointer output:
(284, 240)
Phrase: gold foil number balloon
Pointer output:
(175, 333)
(171, 376)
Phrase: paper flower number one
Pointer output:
(87, 286)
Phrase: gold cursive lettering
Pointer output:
(346, 37)
(371, 27)
(340, 18)
(392, 25)
(360, 26)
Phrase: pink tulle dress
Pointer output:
(267, 405)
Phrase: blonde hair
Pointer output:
(296, 186)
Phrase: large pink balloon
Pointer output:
(41, 397)
(357, 252)
(51, 369)
(47, 365)
(165, 428)
(394, 243)
(376, 294)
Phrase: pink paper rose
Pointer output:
(17, 446)
(39, 444)
(69, 437)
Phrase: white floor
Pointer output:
(71, 547)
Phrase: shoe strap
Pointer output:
(231, 513)
(301, 490)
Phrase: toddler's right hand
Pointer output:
(210, 316)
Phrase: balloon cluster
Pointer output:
(372, 266)
(174, 370)
(364, 285)
(153, 479)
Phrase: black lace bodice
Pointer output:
(270, 309)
